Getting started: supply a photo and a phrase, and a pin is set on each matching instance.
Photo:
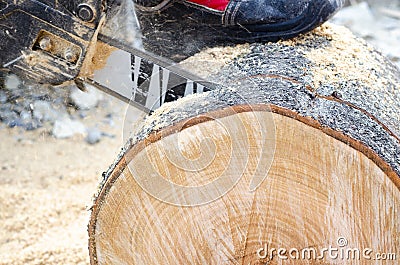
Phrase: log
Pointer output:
(298, 151)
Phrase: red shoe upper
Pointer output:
(214, 4)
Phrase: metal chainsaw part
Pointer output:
(51, 41)
(136, 76)
(144, 80)
(46, 41)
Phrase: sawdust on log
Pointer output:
(211, 60)
(347, 58)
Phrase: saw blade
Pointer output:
(143, 79)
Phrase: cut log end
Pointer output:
(316, 190)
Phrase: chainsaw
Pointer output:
(56, 42)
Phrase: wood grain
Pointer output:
(317, 190)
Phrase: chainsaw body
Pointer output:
(47, 41)
(53, 42)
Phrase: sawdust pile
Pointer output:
(211, 60)
(346, 58)
(46, 187)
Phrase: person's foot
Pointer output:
(258, 19)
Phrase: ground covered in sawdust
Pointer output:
(46, 187)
